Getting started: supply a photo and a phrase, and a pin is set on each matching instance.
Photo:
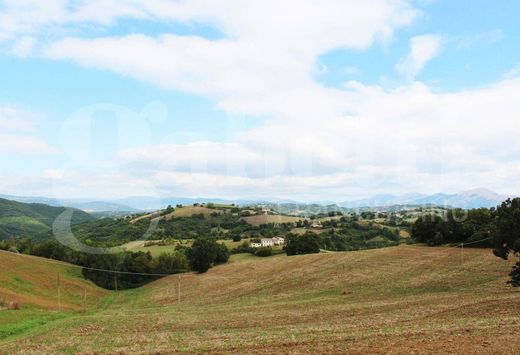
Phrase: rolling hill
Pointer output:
(31, 283)
(29, 220)
(409, 298)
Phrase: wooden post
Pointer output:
(462, 254)
(116, 282)
(59, 293)
(179, 288)
(85, 300)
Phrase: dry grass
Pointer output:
(406, 299)
(267, 218)
(30, 281)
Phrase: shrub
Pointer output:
(204, 253)
(263, 252)
(245, 247)
(309, 243)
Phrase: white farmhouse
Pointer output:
(267, 242)
(278, 241)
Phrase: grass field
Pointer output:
(32, 283)
(157, 250)
(181, 212)
(406, 299)
(267, 218)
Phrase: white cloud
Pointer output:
(422, 50)
(18, 132)
(23, 47)
(401, 140)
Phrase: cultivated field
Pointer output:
(267, 218)
(407, 299)
(181, 212)
(157, 250)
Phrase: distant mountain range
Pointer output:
(467, 199)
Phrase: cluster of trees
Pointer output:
(205, 253)
(341, 240)
(130, 269)
(309, 243)
(498, 228)
(456, 226)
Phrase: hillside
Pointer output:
(410, 298)
(28, 220)
(31, 282)
(266, 219)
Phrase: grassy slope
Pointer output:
(157, 250)
(32, 282)
(406, 298)
(187, 211)
(265, 219)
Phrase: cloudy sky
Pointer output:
(301, 99)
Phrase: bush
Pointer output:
(263, 252)
(515, 276)
(206, 252)
(309, 243)
(245, 247)
(222, 254)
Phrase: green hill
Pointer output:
(31, 220)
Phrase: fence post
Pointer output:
(85, 300)
(179, 287)
(59, 293)
(462, 254)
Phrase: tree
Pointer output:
(507, 234)
(309, 243)
(170, 263)
(222, 254)
(427, 229)
(204, 253)
(263, 252)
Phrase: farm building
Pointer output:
(268, 242)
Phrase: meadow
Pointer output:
(409, 298)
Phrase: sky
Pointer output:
(297, 99)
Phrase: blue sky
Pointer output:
(253, 99)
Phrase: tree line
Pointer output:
(128, 269)
(497, 228)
